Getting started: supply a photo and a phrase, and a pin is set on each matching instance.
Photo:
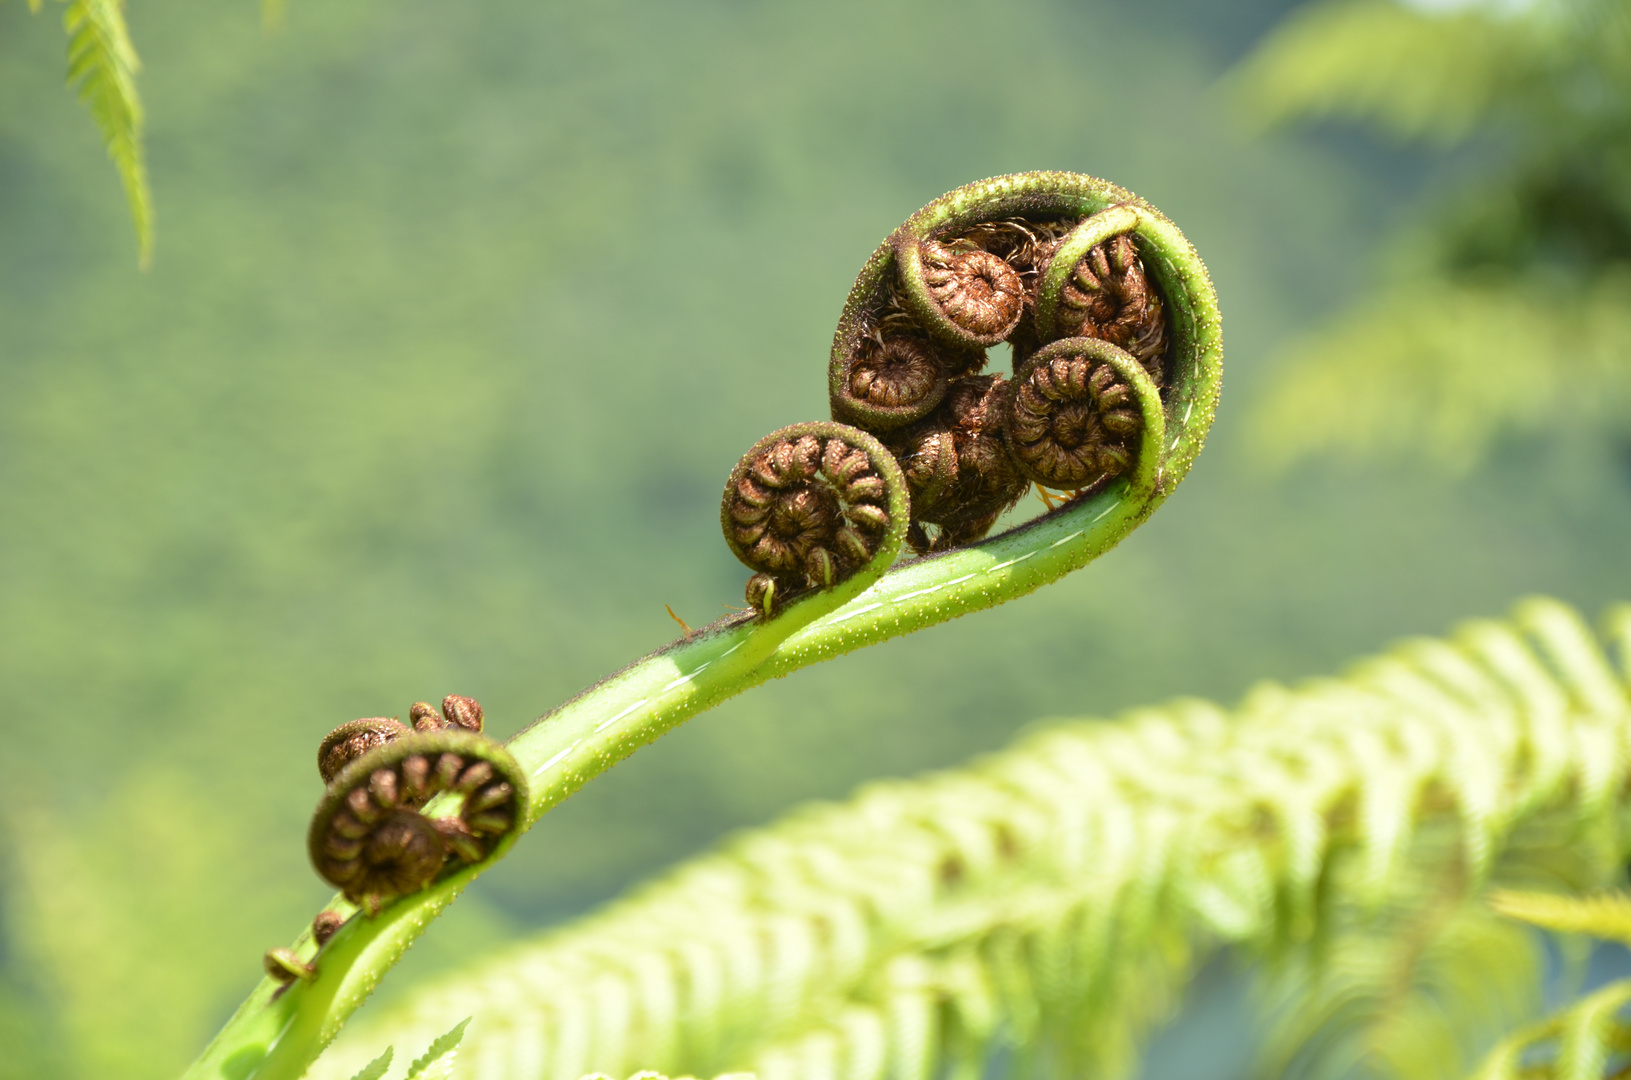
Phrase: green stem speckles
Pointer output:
(279, 1031)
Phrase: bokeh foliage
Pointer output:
(1506, 311)
(352, 441)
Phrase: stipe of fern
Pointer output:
(1055, 898)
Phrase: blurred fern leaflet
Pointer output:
(1518, 274)
(102, 65)
(1051, 902)
(1589, 1038)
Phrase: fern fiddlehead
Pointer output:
(369, 837)
(810, 506)
(280, 1029)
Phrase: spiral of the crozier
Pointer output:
(1056, 259)
(369, 835)
(976, 451)
(805, 508)
(1071, 418)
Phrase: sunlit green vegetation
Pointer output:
(460, 315)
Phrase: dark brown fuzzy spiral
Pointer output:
(892, 380)
(977, 292)
(1071, 419)
(369, 839)
(805, 508)
(353, 739)
(957, 468)
(1108, 296)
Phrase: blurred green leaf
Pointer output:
(102, 63)
(1413, 73)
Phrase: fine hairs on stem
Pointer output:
(1123, 322)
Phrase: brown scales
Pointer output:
(1108, 296)
(1073, 423)
(805, 513)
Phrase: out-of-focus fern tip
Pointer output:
(102, 63)
(1505, 308)
(1050, 904)
(1587, 1040)
(1605, 915)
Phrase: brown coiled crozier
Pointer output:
(1072, 421)
(894, 380)
(1108, 296)
(954, 290)
(957, 468)
(369, 839)
(977, 291)
(804, 508)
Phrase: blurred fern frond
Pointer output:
(1413, 73)
(1052, 901)
(102, 65)
(1446, 367)
(1518, 273)
(102, 62)
(1605, 915)
(1590, 1038)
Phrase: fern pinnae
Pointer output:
(375, 1069)
(102, 62)
(439, 1055)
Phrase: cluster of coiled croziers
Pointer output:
(1051, 263)
(372, 836)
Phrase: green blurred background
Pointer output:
(459, 316)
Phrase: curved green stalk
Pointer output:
(278, 1031)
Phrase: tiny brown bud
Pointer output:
(352, 740)
(285, 967)
(325, 926)
(462, 712)
(424, 717)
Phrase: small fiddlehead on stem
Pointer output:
(369, 836)
(1027, 221)
(1072, 416)
(808, 506)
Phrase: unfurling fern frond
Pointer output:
(1054, 899)
(102, 62)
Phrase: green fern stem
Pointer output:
(279, 1031)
